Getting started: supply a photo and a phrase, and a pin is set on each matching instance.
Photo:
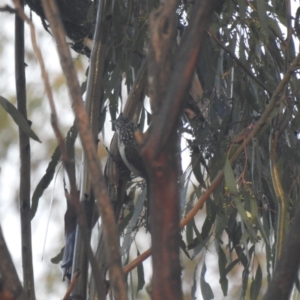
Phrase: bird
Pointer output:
(129, 151)
(128, 146)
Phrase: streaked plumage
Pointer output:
(128, 146)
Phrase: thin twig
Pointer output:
(72, 284)
(25, 163)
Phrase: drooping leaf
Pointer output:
(45, 181)
(229, 178)
(222, 269)
(140, 275)
(231, 184)
(58, 258)
(18, 118)
(189, 233)
(201, 243)
(123, 224)
(256, 284)
(231, 265)
(206, 290)
(183, 247)
(197, 161)
(242, 11)
(47, 178)
(262, 15)
(132, 223)
(194, 286)
(184, 184)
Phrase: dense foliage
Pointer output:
(239, 121)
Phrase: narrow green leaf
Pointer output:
(232, 265)
(140, 274)
(221, 223)
(262, 231)
(47, 178)
(189, 233)
(245, 276)
(222, 268)
(184, 184)
(70, 141)
(262, 15)
(296, 122)
(122, 225)
(83, 87)
(201, 244)
(206, 290)
(183, 247)
(132, 224)
(196, 229)
(242, 51)
(231, 184)
(256, 284)
(275, 26)
(242, 10)
(229, 178)
(18, 118)
(58, 258)
(194, 286)
(197, 160)
(211, 212)
(44, 182)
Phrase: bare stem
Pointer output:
(72, 284)
(25, 168)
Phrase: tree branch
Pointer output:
(88, 143)
(162, 171)
(8, 272)
(288, 264)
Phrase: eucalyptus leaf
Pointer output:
(256, 284)
(222, 269)
(18, 118)
(262, 14)
(140, 274)
(206, 290)
(132, 223)
(231, 184)
(58, 258)
(45, 181)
